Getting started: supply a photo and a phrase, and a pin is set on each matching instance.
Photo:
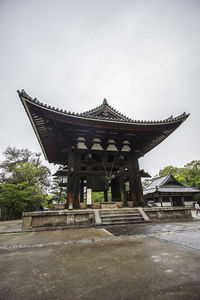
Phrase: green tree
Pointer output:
(58, 190)
(24, 182)
(169, 169)
(16, 198)
(22, 165)
(192, 173)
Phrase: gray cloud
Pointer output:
(143, 56)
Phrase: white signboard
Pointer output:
(89, 196)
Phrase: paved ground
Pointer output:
(10, 226)
(142, 261)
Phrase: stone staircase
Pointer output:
(121, 216)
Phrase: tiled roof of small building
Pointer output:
(168, 184)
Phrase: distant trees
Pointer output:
(188, 175)
(24, 182)
(16, 198)
(58, 189)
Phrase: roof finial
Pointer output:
(105, 102)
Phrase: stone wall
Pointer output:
(168, 213)
(58, 218)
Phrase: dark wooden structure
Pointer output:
(168, 191)
(99, 148)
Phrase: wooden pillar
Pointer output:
(76, 178)
(70, 191)
(70, 179)
(82, 190)
(122, 189)
(170, 199)
(76, 190)
(160, 200)
(105, 196)
(136, 193)
(115, 191)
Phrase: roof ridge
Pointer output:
(153, 181)
(159, 177)
(103, 105)
(122, 118)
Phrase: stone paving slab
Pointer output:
(140, 268)
(185, 239)
(56, 237)
(141, 261)
(149, 228)
(111, 233)
(10, 226)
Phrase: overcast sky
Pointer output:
(143, 56)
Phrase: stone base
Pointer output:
(168, 213)
(119, 204)
(83, 205)
(96, 205)
(59, 206)
(108, 205)
(90, 217)
(63, 218)
(130, 203)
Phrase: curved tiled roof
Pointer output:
(111, 114)
(168, 184)
(55, 128)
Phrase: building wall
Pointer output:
(169, 200)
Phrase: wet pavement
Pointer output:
(185, 239)
(11, 226)
(152, 228)
(52, 238)
(134, 268)
(141, 261)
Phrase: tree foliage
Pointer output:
(22, 165)
(58, 192)
(24, 182)
(16, 198)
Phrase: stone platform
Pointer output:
(68, 218)
(168, 213)
(98, 217)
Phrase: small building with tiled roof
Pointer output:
(168, 191)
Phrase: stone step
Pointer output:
(122, 222)
(119, 212)
(119, 209)
(120, 215)
(121, 218)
